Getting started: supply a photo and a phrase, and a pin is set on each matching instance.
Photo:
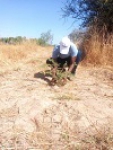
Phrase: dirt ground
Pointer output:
(37, 116)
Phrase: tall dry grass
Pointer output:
(98, 48)
(16, 56)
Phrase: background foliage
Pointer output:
(93, 12)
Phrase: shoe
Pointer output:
(70, 79)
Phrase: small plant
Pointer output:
(59, 75)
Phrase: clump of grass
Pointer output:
(59, 75)
(67, 96)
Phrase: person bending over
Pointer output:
(65, 53)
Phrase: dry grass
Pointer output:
(100, 140)
(13, 57)
(99, 49)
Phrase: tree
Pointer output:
(91, 12)
(76, 35)
(13, 40)
(46, 38)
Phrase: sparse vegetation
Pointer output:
(45, 39)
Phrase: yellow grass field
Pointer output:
(14, 56)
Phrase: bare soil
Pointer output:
(37, 116)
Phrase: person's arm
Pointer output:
(55, 52)
(74, 52)
(55, 55)
(72, 64)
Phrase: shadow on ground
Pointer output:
(44, 76)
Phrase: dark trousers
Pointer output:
(62, 63)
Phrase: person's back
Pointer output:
(73, 51)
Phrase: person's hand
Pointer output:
(69, 76)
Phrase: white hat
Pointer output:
(64, 45)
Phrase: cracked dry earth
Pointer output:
(36, 116)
